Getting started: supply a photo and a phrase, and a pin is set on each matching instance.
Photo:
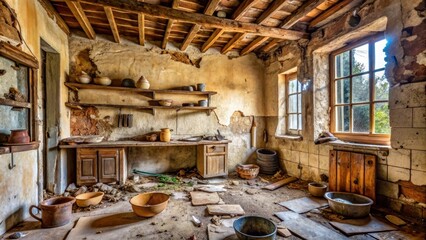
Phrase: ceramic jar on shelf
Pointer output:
(143, 83)
(165, 135)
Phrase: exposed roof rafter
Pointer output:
(79, 14)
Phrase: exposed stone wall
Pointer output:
(237, 81)
(401, 171)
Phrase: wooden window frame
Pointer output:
(289, 77)
(371, 138)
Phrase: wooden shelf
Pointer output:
(152, 109)
(147, 92)
(13, 103)
(18, 148)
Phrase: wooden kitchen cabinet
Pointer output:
(100, 165)
(212, 160)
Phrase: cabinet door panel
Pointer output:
(87, 167)
(215, 165)
(216, 148)
(108, 165)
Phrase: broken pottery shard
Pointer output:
(196, 221)
(81, 190)
(395, 220)
(284, 232)
(251, 191)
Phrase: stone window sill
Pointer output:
(289, 137)
(339, 143)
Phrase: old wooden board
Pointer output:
(305, 204)
(280, 183)
(90, 227)
(397, 235)
(204, 198)
(220, 232)
(227, 209)
(363, 225)
(306, 228)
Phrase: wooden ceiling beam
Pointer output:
(212, 39)
(54, 14)
(81, 17)
(327, 13)
(243, 8)
(112, 24)
(204, 20)
(270, 45)
(253, 45)
(211, 7)
(234, 41)
(141, 27)
(273, 8)
(301, 12)
(175, 5)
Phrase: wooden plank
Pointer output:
(343, 171)
(4, 150)
(305, 204)
(300, 13)
(55, 15)
(368, 224)
(227, 209)
(324, 15)
(167, 34)
(112, 24)
(253, 45)
(332, 171)
(370, 176)
(191, 35)
(17, 55)
(305, 228)
(270, 45)
(81, 17)
(22, 148)
(13, 103)
(280, 183)
(243, 8)
(207, 21)
(116, 144)
(141, 28)
(234, 41)
(357, 173)
(211, 7)
(204, 198)
(212, 39)
(398, 235)
(271, 10)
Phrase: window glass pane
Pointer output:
(299, 103)
(292, 86)
(300, 121)
(292, 121)
(299, 86)
(381, 118)
(379, 54)
(360, 89)
(361, 118)
(342, 119)
(342, 65)
(381, 86)
(360, 59)
(342, 91)
(292, 103)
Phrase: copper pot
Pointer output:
(19, 136)
(55, 211)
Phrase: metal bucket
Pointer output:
(55, 211)
(254, 227)
(267, 160)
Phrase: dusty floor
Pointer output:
(175, 221)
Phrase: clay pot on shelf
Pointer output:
(202, 103)
(165, 102)
(105, 81)
(165, 135)
(19, 136)
(143, 83)
(128, 82)
(84, 78)
(201, 87)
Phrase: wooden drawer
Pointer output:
(218, 148)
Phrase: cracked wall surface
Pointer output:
(401, 173)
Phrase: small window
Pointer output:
(294, 104)
(360, 92)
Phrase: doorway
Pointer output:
(50, 78)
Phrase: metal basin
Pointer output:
(349, 204)
(254, 227)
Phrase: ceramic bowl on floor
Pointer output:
(349, 204)
(149, 204)
(317, 189)
(88, 199)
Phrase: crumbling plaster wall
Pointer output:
(23, 185)
(401, 175)
(237, 81)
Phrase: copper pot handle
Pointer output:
(31, 212)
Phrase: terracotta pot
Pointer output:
(165, 135)
(149, 204)
(55, 211)
(317, 189)
(248, 171)
(19, 136)
(88, 199)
